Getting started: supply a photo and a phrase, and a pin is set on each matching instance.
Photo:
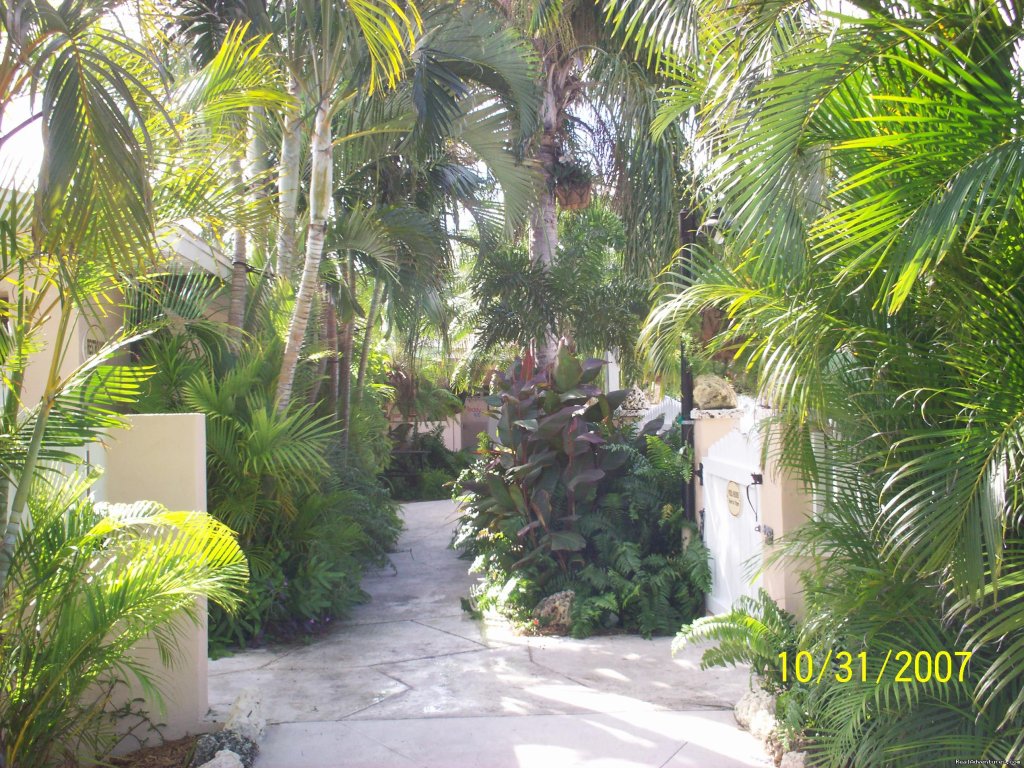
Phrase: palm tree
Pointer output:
(469, 81)
(864, 173)
(326, 43)
(88, 582)
(118, 166)
(599, 99)
(92, 191)
(206, 26)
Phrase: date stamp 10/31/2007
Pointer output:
(846, 667)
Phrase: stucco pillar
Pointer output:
(162, 458)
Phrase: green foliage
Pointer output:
(88, 582)
(308, 528)
(422, 467)
(309, 518)
(369, 447)
(647, 566)
(435, 484)
(585, 294)
(754, 632)
(310, 567)
(568, 501)
(866, 192)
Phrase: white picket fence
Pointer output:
(669, 407)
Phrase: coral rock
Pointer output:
(554, 613)
(756, 712)
(245, 716)
(209, 745)
(224, 759)
(713, 392)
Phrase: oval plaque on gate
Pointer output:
(733, 499)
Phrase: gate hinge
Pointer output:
(699, 473)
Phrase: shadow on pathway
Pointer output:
(410, 680)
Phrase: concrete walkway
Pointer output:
(409, 680)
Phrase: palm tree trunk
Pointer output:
(371, 320)
(261, 237)
(239, 270)
(333, 367)
(288, 188)
(345, 374)
(544, 217)
(319, 208)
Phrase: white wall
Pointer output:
(162, 458)
(780, 501)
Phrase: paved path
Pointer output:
(409, 680)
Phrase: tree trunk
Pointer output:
(333, 367)
(239, 271)
(323, 338)
(345, 374)
(261, 237)
(288, 188)
(371, 320)
(319, 208)
(544, 217)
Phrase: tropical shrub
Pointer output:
(584, 294)
(309, 515)
(308, 525)
(864, 191)
(87, 582)
(565, 499)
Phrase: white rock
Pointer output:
(713, 392)
(245, 716)
(755, 708)
(793, 760)
(762, 724)
(224, 759)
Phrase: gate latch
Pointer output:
(767, 533)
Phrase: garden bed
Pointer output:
(171, 754)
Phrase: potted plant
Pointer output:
(573, 183)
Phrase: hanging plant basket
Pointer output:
(573, 183)
(572, 197)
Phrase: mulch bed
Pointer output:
(171, 754)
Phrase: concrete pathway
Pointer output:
(409, 680)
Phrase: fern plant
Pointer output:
(754, 632)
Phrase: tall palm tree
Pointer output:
(327, 43)
(119, 164)
(405, 168)
(206, 25)
(599, 98)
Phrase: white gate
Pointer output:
(732, 504)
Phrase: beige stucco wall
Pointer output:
(784, 506)
(451, 431)
(98, 323)
(162, 458)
